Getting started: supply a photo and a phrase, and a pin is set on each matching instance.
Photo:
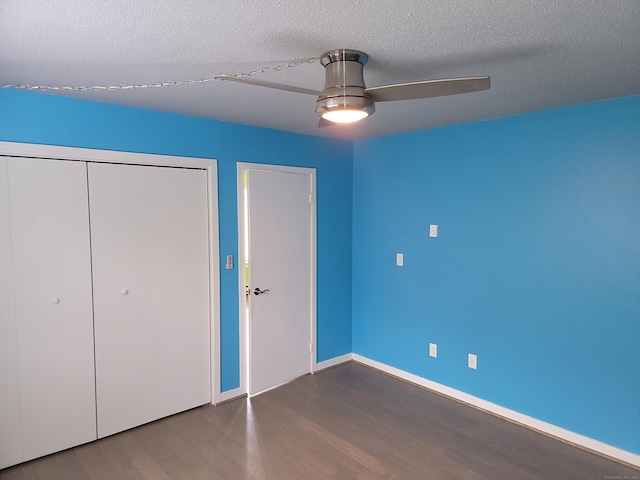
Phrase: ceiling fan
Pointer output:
(346, 99)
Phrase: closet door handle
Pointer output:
(124, 291)
(55, 300)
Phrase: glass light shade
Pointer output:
(345, 115)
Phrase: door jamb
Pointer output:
(242, 168)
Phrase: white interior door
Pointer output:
(280, 261)
(10, 423)
(149, 231)
(52, 271)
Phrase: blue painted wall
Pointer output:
(536, 269)
(46, 119)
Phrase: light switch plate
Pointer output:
(473, 361)
(433, 350)
(399, 259)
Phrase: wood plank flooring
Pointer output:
(349, 422)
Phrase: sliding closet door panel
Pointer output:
(52, 269)
(151, 292)
(10, 428)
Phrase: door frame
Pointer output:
(244, 334)
(53, 152)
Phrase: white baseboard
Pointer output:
(240, 392)
(332, 362)
(519, 418)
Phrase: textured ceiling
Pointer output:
(539, 54)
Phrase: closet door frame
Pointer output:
(53, 152)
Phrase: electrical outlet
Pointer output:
(473, 361)
(433, 231)
(433, 350)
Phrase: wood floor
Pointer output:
(349, 422)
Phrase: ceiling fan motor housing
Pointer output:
(344, 87)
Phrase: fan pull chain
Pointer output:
(213, 78)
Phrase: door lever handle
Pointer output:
(257, 291)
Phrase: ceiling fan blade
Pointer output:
(260, 83)
(428, 88)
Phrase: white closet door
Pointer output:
(10, 428)
(52, 271)
(151, 292)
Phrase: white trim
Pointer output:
(332, 362)
(240, 261)
(214, 285)
(107, 156)
(265, 167)
(231, 395)
(242, 167)
(55, 152)
(519, 418)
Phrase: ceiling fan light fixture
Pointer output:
(344, 99)
(340, 108)
(345, 115)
